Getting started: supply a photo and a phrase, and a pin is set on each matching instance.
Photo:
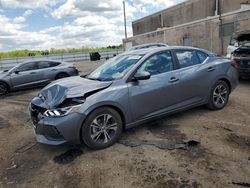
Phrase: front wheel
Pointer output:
(219, 96)
(3, 88)
(102, 128)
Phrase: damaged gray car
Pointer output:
(129, 90)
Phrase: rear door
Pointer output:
(155, 95)
(48, 70)
(196, 75)
(26, 75)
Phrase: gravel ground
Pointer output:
(156, 155)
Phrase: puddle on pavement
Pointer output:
(167, 130)
(161, 144)
(68, 156)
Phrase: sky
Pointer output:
(46, 24)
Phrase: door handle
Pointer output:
(53, 69)
(32, 73)
(173, 79)
(210, 69)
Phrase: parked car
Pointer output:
(241, 54)
(128, 90)
(34, 73)
(238, 40)
(149, 45)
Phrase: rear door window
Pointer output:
(187, 58)
(47, 64)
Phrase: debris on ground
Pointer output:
(161, 144)
(227, 129)
(242, 141)
(243, 184)
(68, 156)
(26, 147)
(12, 167)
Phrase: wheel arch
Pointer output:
(116, 108)
(228, 83)
(62, 72)
(3, 81)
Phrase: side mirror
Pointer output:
(16, 71)
(141, 76)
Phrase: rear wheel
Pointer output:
(4, 88)
(61, 75)
(219, 96)
(102, 128)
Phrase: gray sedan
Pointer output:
(129, 90)
(34, 73)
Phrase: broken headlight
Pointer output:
(67, 107)
(61, 111)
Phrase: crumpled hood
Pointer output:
(56, 92)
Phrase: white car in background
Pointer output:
(238, 40)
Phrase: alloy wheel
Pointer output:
(220, 95)
(103, 128)
(3, 89)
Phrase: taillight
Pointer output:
(72, 66)
(234, 64)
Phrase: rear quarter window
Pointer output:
(202, 56)
(54, 64)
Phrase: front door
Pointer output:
(155, 95)
(26, 75)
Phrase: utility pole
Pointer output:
(125, 20)
(221, 26)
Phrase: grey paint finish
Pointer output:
(136, 101)
(16, 78)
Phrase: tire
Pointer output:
(219, 96)
(61, 75)
(98, 135)
(4, 88)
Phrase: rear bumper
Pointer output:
(57, 130)
(244, 72)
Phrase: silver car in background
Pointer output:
(128, 90)
(34, 73)
(149, 45)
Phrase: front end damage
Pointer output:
(56, 112)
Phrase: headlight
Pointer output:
(61, 111)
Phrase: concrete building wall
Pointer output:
(185, 12)
(207, 33)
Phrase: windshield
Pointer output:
(13, 68)
(115, 68)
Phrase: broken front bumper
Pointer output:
(56, 130)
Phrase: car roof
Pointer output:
(37, 60)
(146, 45)
(153, 50)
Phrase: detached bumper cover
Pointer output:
(57, 130)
